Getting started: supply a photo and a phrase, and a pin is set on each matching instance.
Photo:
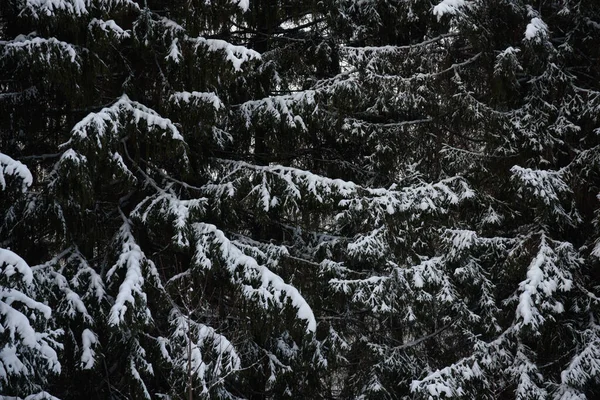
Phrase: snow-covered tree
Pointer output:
(341, 199)
(460, 263)
(146, 254)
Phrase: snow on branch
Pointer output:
(110, 27)
(275, 184)
(237, 55)
(266, 253)
(585, 365)
(245, 271)
(53, 274)
(449, 7)
(40, 8)
(447, 382)
(545, 185)
(279, 107)
(46, 50)
(139, 365)
(210, 355)
(370, 291)
(36, 396)
(461, 242)
(51, 7)
(404, 288)
(565, 392)
(526, 374)
(244, 5)
(481, 372)
(89, 340)
(131, 293)
(119, 163)
(536, 31)
(15, 168)
(26, 350)
(548, 187)
(197, 98)
(169, 205)
(72, 304)
(13, 264)
(106, 122)
(371, 245)
(174, 53)
(311, 181)
(365, 53)
(547, 274)
(415, 200)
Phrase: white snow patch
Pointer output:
(131, 259)
(237, 55)
(88, 340)
(536, 30)
(8, 166)
(106, 121)
(448, 7)
(110, 26)
(192, 97)
(244, 5)
(174, 52)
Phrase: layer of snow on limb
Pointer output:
(107, 121)
(16, 327)
(201, 337)
(96, 286)
(536, 29)
(110, 26)
(50, 7)
(32, 45)
(244, 5)
(546, 185)
(279, 107)
(544, 279)
(174, 52)
(237, 55)
(205, 97)
(12, 263)
(293, 177)
(585, 366)
(131, 259)
(596, 250)
(88, 340)
(442, 383)
(8, 166)
(73, 157)
(270, 282)
(77, 7)
(448, 7)
(175, 209)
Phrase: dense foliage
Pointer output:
(226, 199)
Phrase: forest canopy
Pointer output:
(335, 199)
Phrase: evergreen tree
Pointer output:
(255, 199)
(154, 265)
(476, 279)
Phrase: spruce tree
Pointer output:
(255, 199)
(157, 268)
(476, 279)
